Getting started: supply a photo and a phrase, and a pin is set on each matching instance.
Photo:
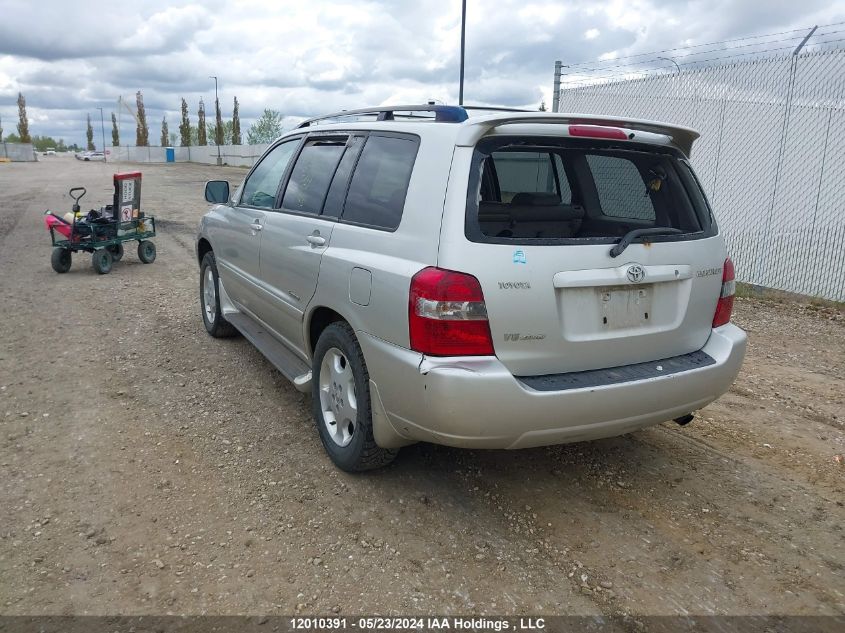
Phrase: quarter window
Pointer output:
(380, 183)
(263, 183)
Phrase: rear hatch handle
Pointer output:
(630, 236)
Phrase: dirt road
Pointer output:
(146, 468)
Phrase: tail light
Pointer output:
(447, 315)
(598, 131)
(726, 298)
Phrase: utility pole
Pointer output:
(463, 49)
(103, 130)
(218, 132)
(556, 87)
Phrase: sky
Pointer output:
(309, 58)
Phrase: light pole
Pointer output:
(669, 59)
(217, 132)
(463, 48)
(103, 131)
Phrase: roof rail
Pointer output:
(442, 113)
(496, 109)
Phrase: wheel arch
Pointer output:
(203, 247)
(319, 318)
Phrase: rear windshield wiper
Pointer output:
(630, 236)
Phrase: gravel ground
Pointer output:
(146, 468)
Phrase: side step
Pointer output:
(292, 366)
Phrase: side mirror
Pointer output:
(217, 191)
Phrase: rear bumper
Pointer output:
(475, 402)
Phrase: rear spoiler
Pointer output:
(473, 129)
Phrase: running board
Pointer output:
(292, 366)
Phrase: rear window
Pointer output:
(380, 183)
(572, 190)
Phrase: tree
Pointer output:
(201, 131)
(89, 134)
(142, 131)
(185, 126)
(1, 129)
(165, 133)
(218, 123)
(543, 106)
(236, 125)
(43, 143)
(23, 123)
(266, 129)
(211, 132)
(115, 133)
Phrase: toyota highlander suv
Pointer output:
(505, 280)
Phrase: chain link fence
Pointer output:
(771, 157)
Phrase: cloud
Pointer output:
(305, 59)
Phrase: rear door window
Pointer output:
(379, 185)
(309, 181)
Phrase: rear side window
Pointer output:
(620, 187)
(380, 183)
(309, 181)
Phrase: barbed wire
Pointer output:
(800, 33)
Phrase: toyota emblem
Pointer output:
(635, 273)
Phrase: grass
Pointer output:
(751, 291)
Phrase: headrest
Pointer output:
(532, 199)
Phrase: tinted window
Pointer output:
(263, 183)
(377, 192)
(621, 189)
(337, 190)
(530, 172)
(311, 175)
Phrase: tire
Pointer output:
(215, 324)
(102, 260)
(116, 252)
(60, 260)
(341, 401)
(146, 251)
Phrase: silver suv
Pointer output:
(504, 280)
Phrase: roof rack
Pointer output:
(496, 109)
(442, 113)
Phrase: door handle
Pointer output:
(256, 225)
(316, 240)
